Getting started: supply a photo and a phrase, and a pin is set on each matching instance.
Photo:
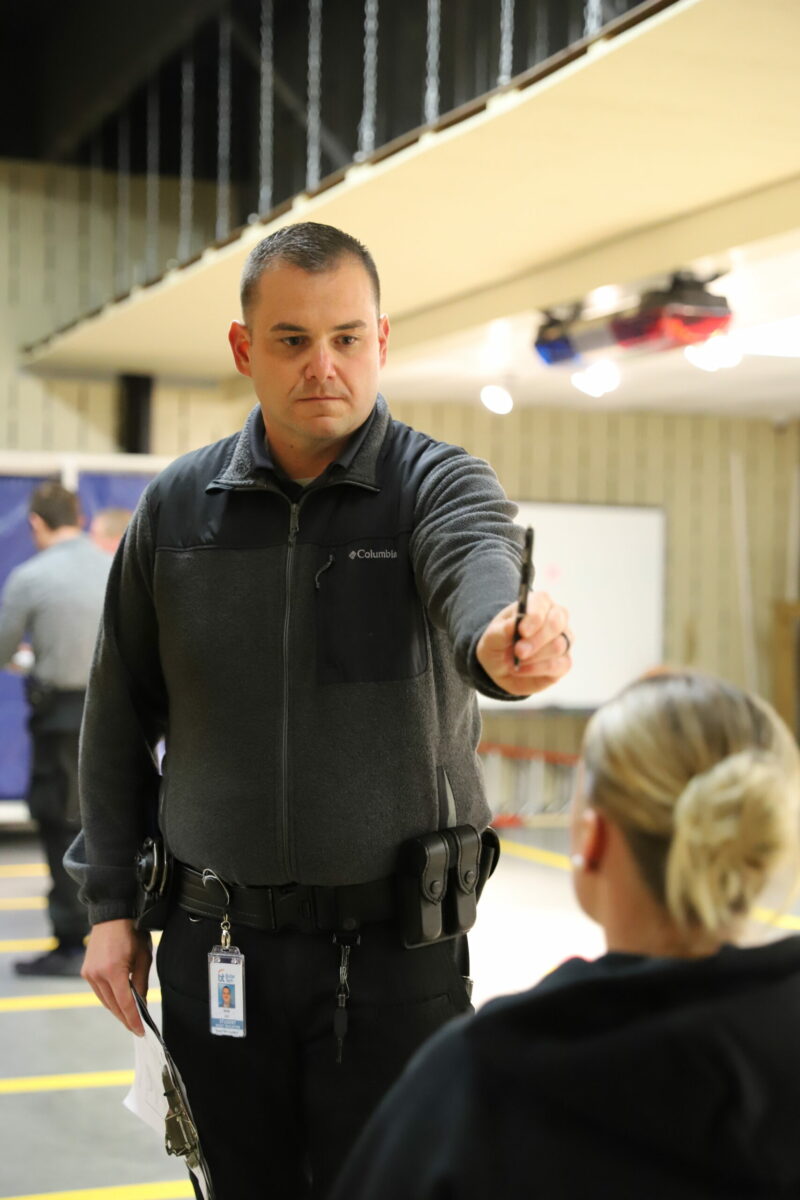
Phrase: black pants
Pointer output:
(275, 1113)
(53, 803)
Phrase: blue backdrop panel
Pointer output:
(105, 490)
(15, 546)
(96, 490)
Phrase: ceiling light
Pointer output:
(778, 339)
(497, 399)
(719, 352)
(496, 353)
(598, 379)
(603, 300)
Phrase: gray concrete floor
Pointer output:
(71, 1138)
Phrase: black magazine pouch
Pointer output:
(440, 879)
(490, 856)
(461, 897)
(422, 870)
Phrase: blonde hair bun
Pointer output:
(732, 826)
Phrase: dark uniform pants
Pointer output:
(53, 803)
(275, 1113)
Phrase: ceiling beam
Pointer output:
(660, 248)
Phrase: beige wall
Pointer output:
(681, 463)
(58, 247)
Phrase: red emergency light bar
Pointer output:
(672, 325)
(680, 315)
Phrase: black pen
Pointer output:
(525, 583)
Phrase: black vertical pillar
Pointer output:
(135, 401)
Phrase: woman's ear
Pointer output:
(592, 838)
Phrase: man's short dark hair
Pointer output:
(310, 246)
(56, 505)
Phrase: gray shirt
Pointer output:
(55, 600)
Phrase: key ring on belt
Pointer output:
(225, 923)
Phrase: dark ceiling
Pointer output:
(66, 67)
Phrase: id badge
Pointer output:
(226, 991)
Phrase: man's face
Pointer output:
(226, 997)
(313, 347)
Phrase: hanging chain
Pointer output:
(49, 276)
(592, 17)
(84, 242)
(223, 224)
(266, 111)
(187, 157)
(153, 178)
(366, 128)
(13, 240)
(432, 62)
(122, 273)
(313, 112)
(95, 207)
(506, 42)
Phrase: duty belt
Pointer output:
(290, 906)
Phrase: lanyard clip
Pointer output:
(225, 924)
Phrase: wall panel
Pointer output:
(680, 462)
(58, 259)
(186, 417)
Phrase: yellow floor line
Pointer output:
(768, 916)
(23, 870)
(547, 857)
(22, 945)
(765, 916)
(58, 1083)
(20, 903)
(85, 999)
(172, 1190)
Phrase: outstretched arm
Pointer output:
(467, 555)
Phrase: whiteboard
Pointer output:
(606, 564)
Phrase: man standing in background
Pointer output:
(108, 526)
(54, 601)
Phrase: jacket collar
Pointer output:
(358, 462)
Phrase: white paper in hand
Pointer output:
(147, 1099)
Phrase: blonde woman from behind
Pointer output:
(670, 1067)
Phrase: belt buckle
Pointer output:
(294, 908)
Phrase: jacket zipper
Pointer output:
(294, 524)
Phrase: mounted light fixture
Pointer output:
(553, 342)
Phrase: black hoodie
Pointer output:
(628, 1077)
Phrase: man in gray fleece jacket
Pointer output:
(55, 600)
(304, 611)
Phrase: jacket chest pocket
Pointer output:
(370, 622)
